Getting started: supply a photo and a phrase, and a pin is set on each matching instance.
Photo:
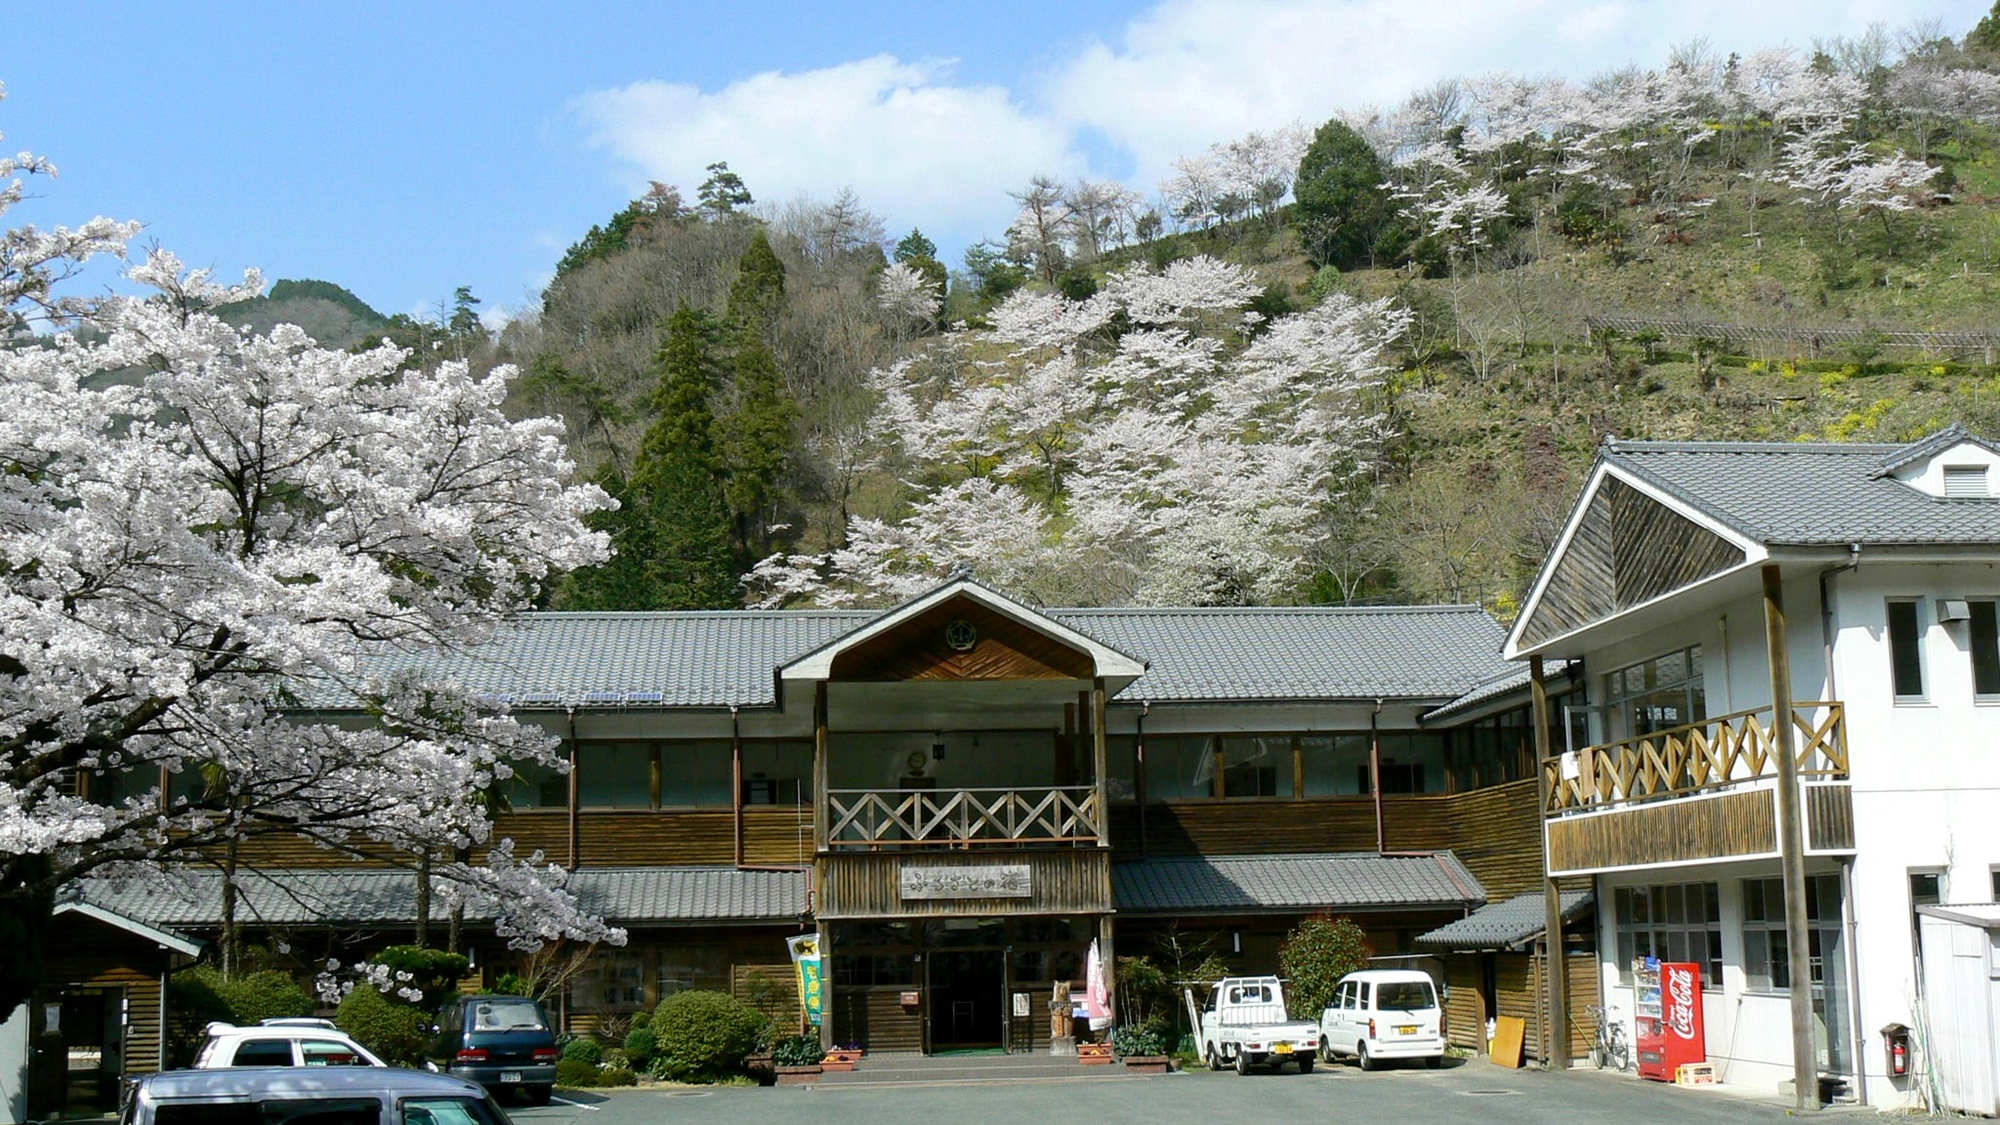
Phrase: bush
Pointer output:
(1316, 955)
(396, 1031)
(799, 1050)
(577, 1074)
(511, 984)
(1141, 1040)
(584, 1050)
(615, 1076)
(433, 972)
(704, 1036)
(202, 995)
(641, 1045)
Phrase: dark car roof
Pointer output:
(267, 1081)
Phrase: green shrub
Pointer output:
(396, 1031)
(202, 995)
(616, 1057)
(511, 984)
(584, 1050)
(1141, 1040)
(641, 1045)
(615, 1076)
(799, 1050)
(704, 1036)
(433, 972)
(1314, 958)
(576, 1074)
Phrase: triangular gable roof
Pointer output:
(170, 939)
(1116, 668)
(1951, 437)
(1627, 543)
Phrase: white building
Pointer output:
(1886, 562)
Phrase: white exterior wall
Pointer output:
(14, 1066)
(1926, 785)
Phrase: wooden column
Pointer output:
(825, 980)
(1110, 955)
(736, 780)
(822, 804)
(1555, 967)
(1101, 763)
(1791, 848)
(575, 797)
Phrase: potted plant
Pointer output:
(1142, 1049)
(1093, 1054)
(796, 1060)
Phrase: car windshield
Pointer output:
(452, 1111)
(287, 1111)
(1403, 996)
(508, 1015)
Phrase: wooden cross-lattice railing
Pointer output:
(868, 818)
(1715, 752)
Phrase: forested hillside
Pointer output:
(1366, 360)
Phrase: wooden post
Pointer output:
(1555, 968)
(1101, 763)
(826, 980)
(822, 803)
(736, 779)
(1791, 849)
(1110, 955)
(575, 797)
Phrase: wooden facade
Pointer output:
(869, 884)
(999, 648)
(1737, 824)
(1627, 549)
(1517, 990)
(91, 966)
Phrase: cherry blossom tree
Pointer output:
(208, 535)
(1138, 446)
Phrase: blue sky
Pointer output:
(403, 150)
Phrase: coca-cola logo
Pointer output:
(1680, 989)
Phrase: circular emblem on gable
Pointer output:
(960, 635)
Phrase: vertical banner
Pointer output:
(806, 962)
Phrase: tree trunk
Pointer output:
(424, 898)
(230, 937)
(454, 936)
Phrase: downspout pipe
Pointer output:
(1375, 776)
(736, 779)
(1826, 616)
(1139, 770)
(575, 792)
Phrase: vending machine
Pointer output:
(1667, 1004)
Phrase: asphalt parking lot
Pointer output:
(1474, 1091)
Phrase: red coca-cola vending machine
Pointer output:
(1668, 1011)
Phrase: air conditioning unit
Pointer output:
(1953, 609)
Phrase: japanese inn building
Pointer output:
(958, 795)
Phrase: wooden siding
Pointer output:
(1496, 833)
(1829, 813)
(1005, 650)
(874, 1016)
(1262, 826)
(84, 953)
(1736, 824)
(772, 836)
(772, 989)
(1517, 992)
(1070, 881)
(1627, 549)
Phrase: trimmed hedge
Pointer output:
(704, 1036)
(583, 1050)
(641, 1045)
(576, 1074)
(397, 1032)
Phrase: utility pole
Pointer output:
(1791, 847)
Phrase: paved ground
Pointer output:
(1475, 1091)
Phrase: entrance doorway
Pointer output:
(79, 1051)
(968, 989)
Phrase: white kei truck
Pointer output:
(1245, 1024)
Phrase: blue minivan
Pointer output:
(500, 1042)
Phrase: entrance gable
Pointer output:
(1624, 549)
(961, 639)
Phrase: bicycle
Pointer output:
(1609, 1048)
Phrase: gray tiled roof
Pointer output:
(370, 896)
(1502, 925)
(1808, 494)
(1505, 684)
(720, 658)
(1251, 884)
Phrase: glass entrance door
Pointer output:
(967, 992)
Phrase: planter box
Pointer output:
(1094, 1054)
(843, 1054)
(839, 1066)
(1148, 1064)
(798, 1075)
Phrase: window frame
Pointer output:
(1916, 651)
(1984, 634)
(1771, 926)
(1626, 924)
(1620, 701)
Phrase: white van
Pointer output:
(337, 1095)
(1380, 1014)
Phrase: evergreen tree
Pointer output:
(722, 193)
(757, 295)
(1342, 208)
(671, 533)
(754, 432)
(920, 254)
(1984, 38)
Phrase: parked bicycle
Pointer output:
(1610, 1048)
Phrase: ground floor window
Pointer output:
(1767, 963)
(1673, 922)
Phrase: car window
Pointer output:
(508, 1015)
(1361, 992)
(1404, 996)
(452, 1111)
(326, 1052)
(1347, 996)
(289, 1111)
(263, 1052)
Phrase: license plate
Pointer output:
(1281, 1049)
(510, 1076)
(1407, 1029)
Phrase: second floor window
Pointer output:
(1658, 694)
(1984, 633)
(1906, 659)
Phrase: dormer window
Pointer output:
(1965, 482)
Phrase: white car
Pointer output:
(1380, 1014)
(282, 1042)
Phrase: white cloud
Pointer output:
(1183, 74)
(918, 150)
